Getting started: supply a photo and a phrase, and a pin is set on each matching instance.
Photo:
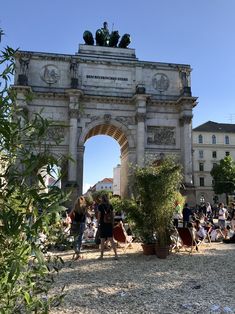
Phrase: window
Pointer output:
(214, 165)
(200, 139)
(227, 153)
(201, 166)
(214, 154)
(201, 180)
(200, 153)
(213, 139)
(226, 139)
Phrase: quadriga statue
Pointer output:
(113, 39)
(88, 38)
(104, 38)
(125, 41)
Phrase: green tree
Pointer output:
(223, 175)
(25, 273)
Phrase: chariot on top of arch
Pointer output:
(104, 38)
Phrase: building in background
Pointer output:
(212, 141)
(105, 184)
(117, 180)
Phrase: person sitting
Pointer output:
(216, 234)
(228, 232)
(89, 232)
(200, 231)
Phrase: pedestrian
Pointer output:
(78, 217)
(186, 215)
(106, 221)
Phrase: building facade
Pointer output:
(212, 141)
(105, 184)
(116, 180)
(145, 106)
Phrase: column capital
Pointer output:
(73, 113)
(22, 94)
(137, 98)
(185, 119)
(74, 93)
(140, 117)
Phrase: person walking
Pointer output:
(78, 217)
(105, 221)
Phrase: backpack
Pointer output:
(108, 216)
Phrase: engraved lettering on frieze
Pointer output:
(126, 120)
(55, 133)
(111, 78)
(160, 82)
(161, 135)
(50, 74)
(185, 120)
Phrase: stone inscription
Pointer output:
(112, 78)
(161, 135)
(104, 77)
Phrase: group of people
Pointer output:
(105, 219)
(201, 221)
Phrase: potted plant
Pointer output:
(156, 187)
(140, 222)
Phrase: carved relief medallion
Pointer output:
(161, 135)
(50, 74)
(160, 82)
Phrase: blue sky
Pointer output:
(199, 33)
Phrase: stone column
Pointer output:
(140, 101)
(186, 139)
(74, 109)
(81, 150)
(22, 93)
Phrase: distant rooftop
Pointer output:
(211, 126)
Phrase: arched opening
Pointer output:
(101, 158)
(120, 138)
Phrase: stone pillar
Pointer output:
(74, 109)
(186, 138)
(22, 93)
(81, 150)
(140, 101)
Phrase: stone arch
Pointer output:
(112, 128)
(121, 134)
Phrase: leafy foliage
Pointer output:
(156, 193)
(26, 208)
(224, 176)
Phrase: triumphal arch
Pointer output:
(105, 89)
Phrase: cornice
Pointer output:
(50, 95)
(106, 99)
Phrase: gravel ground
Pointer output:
(202, 282)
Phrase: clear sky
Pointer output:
(199, 33)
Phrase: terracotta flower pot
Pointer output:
(149, 248)
(162, 252)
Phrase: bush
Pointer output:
(26, 209)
